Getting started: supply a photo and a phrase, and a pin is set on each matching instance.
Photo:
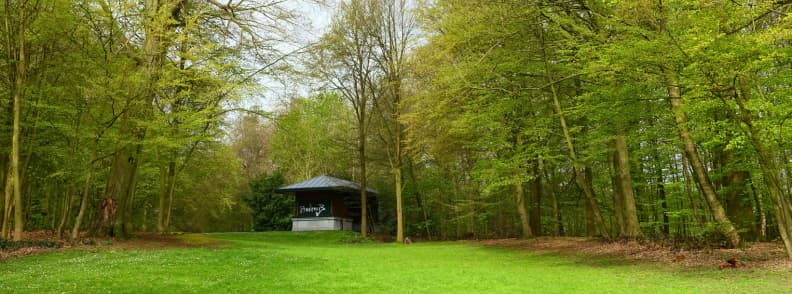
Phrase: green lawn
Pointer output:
(286, 262)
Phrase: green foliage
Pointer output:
(271, 211)
(149, 82)
(251, 141)
(475, 116)
(9, 245)
(313, 137)
(208, 197)
(482, 90)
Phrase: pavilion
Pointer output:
(326, 203)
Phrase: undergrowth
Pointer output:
(8, 245)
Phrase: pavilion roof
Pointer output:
(322, 183)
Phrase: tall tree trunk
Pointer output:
(761, 218)
(419, 201)
(124, 168)
(664, 205)
(171, 191)
(769, 167)
(580, 178)
(632, 229)
(591, 228)
(28, 199)
(164, 180)
(144, 223)
(661, 192)
(9, 204)
(167, 188)
(699, 218)
(19, 92)
(65, 210)
(398, 179)
(399, 206)
(362, 160)
(787, 174)
(75, 234)
(163, 188)
(116, 189)
(536, 199)
(618, 201)
(700, 176)
(124, 223)
(521, 210)
(739, 205)
(3, 169)
(27, 195)
(555, 217)
(50, 207)
(556, 227)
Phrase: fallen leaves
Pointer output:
(762, 255)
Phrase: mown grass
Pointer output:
(326, 262)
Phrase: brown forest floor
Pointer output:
(760, 255)
(145, 241)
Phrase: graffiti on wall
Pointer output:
(314, 208)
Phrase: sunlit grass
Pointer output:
(326, 262)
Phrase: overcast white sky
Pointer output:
(314, 21)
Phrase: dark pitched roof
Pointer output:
(323, 183)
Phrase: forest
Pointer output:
(643, 119)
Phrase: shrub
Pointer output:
(10, 245)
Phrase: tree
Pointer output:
(312, 137)
(19, 92)
(484, 76)
(393, 34)
(271, 211)
(583, 182)
(655, 31)
(184, 53)
(346, 59)
(252, 141)
(109, 83)
(208, 198)
(740, 67)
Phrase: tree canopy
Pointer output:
(667, 120)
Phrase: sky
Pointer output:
(314, 19)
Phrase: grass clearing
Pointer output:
(325, 262)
